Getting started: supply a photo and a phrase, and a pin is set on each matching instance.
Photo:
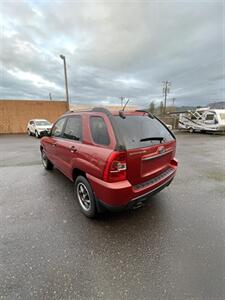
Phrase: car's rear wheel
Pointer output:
(191, 130)
(84, 194)
(45, 161)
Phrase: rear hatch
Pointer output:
(150, 147)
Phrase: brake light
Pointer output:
(174, 162)
(116, 167)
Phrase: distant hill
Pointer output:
(177, 108)
(183, 108)
(214, 105)
(217, 105)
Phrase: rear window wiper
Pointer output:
(155, 138)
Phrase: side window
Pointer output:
(209, 117)
(73, 129)
(99, 131)
(57, 129)
(31, 122)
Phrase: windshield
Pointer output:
(142, 131)
(42, 123)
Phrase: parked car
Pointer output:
(114, 159)
(38, 126)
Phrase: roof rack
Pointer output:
(103, 110)
(146, 112)
(94, 109)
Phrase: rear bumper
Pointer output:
(122, 194)
(136, 201)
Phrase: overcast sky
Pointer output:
(113, 48)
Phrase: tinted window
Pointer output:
(193, 117)
(133, 129)
(209, 117)
(73, 129)
(58, 127)
(99, 131)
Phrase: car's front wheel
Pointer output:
(45, 161)
(84, 194)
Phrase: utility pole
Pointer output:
(121, 99)
(66, 82)
(50, 96)
(166, 90)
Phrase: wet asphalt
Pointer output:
(173, 248)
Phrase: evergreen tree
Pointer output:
(161, 108)
(152, 107)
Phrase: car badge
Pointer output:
(161, 150)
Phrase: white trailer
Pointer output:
(202, 119)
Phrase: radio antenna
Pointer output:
(125, 104)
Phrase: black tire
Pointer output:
(45, 161)
(191, 130)
(84, 195)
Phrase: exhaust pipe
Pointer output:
(138, 205)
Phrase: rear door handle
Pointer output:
(73, 149)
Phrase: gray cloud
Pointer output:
(113, 49)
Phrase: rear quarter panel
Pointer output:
(92, 157)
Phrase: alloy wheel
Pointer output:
(44, 159)
(83, 196)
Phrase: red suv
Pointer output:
(114, 159)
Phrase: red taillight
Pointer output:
(116, 167)
(174, 162)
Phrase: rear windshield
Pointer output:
(134, 129)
